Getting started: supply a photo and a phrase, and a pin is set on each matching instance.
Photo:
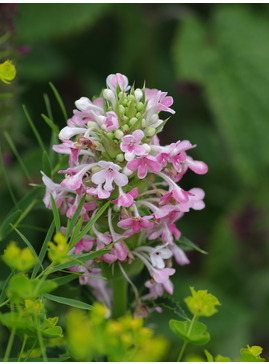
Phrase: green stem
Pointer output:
(22, 348)
(40, 340)
(119, 297)
(9, 345)
(186, 342)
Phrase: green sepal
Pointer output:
(209, 356)
(202, 303)
(198, 334)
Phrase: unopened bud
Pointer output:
(127, 171)
(110, 135)
(130, 98)
(120, 157)
(143, 123)
(125, 127)
(150, 131)
(154, 118)
(147, 148)
(110, 96)
(92, 124)
(122, 109)
(140, 106)
(138, 95)
(133, 121)
(118, 134)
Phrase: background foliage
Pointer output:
(213, 59)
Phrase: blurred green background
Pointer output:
(214, 60)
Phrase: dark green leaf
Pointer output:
(6, 225)
(46, 164)
(51, 124)
(59, 99)
(189, 245)
(36, 133)
(75, 217)
(56, 214)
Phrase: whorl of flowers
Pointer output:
(114, 153)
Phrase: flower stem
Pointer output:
(186, 342)
(23, 346)
(119, 297)
(9, 345)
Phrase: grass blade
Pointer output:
(189, 245)
(11, 218)
(46, 164)
(33, 128)
(92, 221)
(51, 124)
(43, 250)
(48, 107)
(6, 179)
(59, 99)
(16, 153)
(65, 279)
(3, 291)
(27, 242)
(55, 214)
(68, 301)
(75, 217)
(76, 232)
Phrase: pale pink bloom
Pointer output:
(108, 174)
(180, 256)
(130, 145)
(143, 164)
(74, 181)
(156, 289)
(95, 107)
(56, 190)
(118, 252)
(101, 239)
(158, 101)
(68, 132)
(195, 200)
(178, 193)
(126, 199)
(118, 79)
(73, 204)
(98, 192)
(110, 122)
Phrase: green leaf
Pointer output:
(59, 99)
(189, 245)
(209, 357)
(51, 124)
(16, 320)
(198, 334)
(55, 214)
(46, 164)
(220, 358)
(36, 133)
(79, 257)
(17, 154)
(21, 287)
(4, 288)
(43, 250)
(202, 303)
(6, 225)
(6, 179)
(251, 354)
(27, 242)
(68, 302)
(25, 205)
(75, 217)
(52, 332)
(66, 279)
(76, 231)
(92, 221)
(169, 303)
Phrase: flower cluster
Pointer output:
(114, 153)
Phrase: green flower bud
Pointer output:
(133, 121)
(120, 157)
(143, 123)
(150, 131)
(138, 114)
(122, 109)
(140, 106)
(125, 127)
(118, 134)
(130, 98)
(91, 124)
(110, 135)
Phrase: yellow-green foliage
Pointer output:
(17, 258)
(126, 339)
(7, 71)
(202, 303)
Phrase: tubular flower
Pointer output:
(115, 153)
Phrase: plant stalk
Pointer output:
(119, 297)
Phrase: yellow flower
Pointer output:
(20, 259)
(59, 249)
(7, 71)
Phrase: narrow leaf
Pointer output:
(16, 153)
(3, 291)
(92, 221)
(51, 124)
(68, 301)
(66, 279)
(43, 250)
(10, 219)
(33, 128)
(6, 178)
(76, 232)
(27, 242)
(46, 164)
(59, 99)
(190, 245)
(79, 257)
(55, 214)
(75, 217)
(5, 95)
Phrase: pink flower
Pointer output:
(83, 245)
(180, 257)
(136, 223)
(98, 192)
(74, 181)
(144, 163)
(118, 79)
(126, 199)
(130, 145)
(110, 122)
(158, 101)
(108, 174)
